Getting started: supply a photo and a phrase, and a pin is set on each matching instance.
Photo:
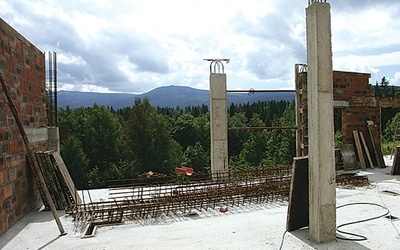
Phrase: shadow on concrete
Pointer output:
(29, 218)
(50, 242)
(303, 235)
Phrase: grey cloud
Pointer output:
(149, 58)
(102, 57)
(271, 60)
(267, 63)
(356, 5)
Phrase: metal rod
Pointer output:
(262, 128)
(55, 87)
(31, 155)
(261, 90)
(50, 91)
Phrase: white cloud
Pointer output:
(367, 61)
(135, 45)
(396, 79)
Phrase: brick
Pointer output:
(1, 194)
(12, 175)
(3, 226)
(2, 164)
(11, 218)
(3, 178)
(8, 191)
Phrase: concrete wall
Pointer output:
(23, 67)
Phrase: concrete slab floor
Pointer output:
(255, 226)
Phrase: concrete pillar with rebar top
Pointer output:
(322, 184)
(218, 116)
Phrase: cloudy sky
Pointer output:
(135, 45)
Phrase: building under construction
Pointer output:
(23, 68)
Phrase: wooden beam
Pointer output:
(371, 164)
(376, 144)
(359, 150)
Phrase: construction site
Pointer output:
(303, 206)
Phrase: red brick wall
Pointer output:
(23, 67)
(346, 87)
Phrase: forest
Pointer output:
(100, 143)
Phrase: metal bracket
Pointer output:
(217, 65)
(316, 1)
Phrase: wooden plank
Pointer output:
(70, 201)
(46, 206)
(297, 215)
(51, 180)
(62, 198)
(67, 177)
(359, 149)
(47, 178)
(376, 144)
(396, 162)
(364, 143)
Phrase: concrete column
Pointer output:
(54, 139)
(322, 198)
(218, 123)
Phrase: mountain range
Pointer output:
(166, 96)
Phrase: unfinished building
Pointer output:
(23, 65)
(360, 110)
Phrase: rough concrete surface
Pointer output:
(255, 226)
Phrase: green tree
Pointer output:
(255, 147)
(236, 138)
(202, 130)
(282, 143)
(76, 161)
(100, 135)
(184, 130)
(149, 139)
(103, 137)
(382, 89)
(197, 158)
(390, 130)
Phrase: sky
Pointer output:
(133, 46)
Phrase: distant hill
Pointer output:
(167, 96)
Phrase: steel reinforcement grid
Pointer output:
(163, 196)
(153, 197)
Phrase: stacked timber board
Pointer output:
(376, 143)
(58, 180)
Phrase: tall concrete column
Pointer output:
(218, 119)
(54, 139)
(322, 192)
